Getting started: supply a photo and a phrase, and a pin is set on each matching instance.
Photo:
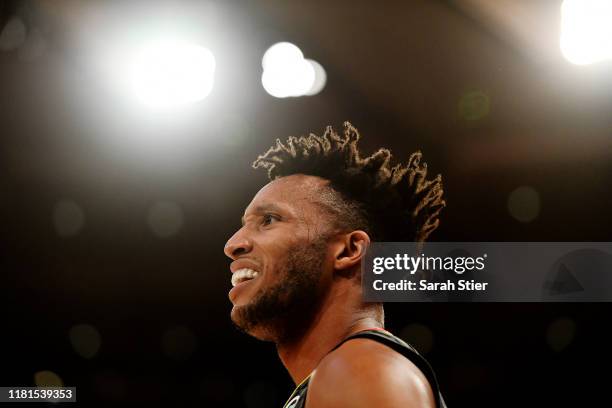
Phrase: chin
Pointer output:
(235, 313)
(260, 332)
(262, 335)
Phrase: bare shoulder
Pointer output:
(365, 373)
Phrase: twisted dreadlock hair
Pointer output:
(389, 203)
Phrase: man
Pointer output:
(296, 270)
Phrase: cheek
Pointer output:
(274, 252)
(278, 243)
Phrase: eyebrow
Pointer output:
(263, 208)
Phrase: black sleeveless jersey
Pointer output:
(298, 397)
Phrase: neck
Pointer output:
(332, 324)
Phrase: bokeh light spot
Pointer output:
(524, 204)
(287, 74)
(560, 333)
(320, 78)
(47, 378)
(586, 31)
(85, 340)
(13, 35)
(474, 105)
(171, 73)
(281, 54)
(419, 335)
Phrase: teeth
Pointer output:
(242, 275)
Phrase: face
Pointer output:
(280, 259)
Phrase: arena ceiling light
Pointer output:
(586, 31)
(286, 73)
(169, 73)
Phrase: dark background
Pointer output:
(479, 86)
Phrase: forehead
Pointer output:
(296, 192)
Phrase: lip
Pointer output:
(244, 263)
(238, 289)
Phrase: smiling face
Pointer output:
(281, 263)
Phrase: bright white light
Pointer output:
(280, 54)
(286, 72)
(586, 30)
(292, 78)
(320, 78)
(168, 74)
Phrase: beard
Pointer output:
(283, 312)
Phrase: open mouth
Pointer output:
(243, 275)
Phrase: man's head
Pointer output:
(306, 231)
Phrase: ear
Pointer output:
(349, 249)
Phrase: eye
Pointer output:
(269, 219)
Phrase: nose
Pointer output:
(237, 245)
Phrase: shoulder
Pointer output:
(365, 373)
